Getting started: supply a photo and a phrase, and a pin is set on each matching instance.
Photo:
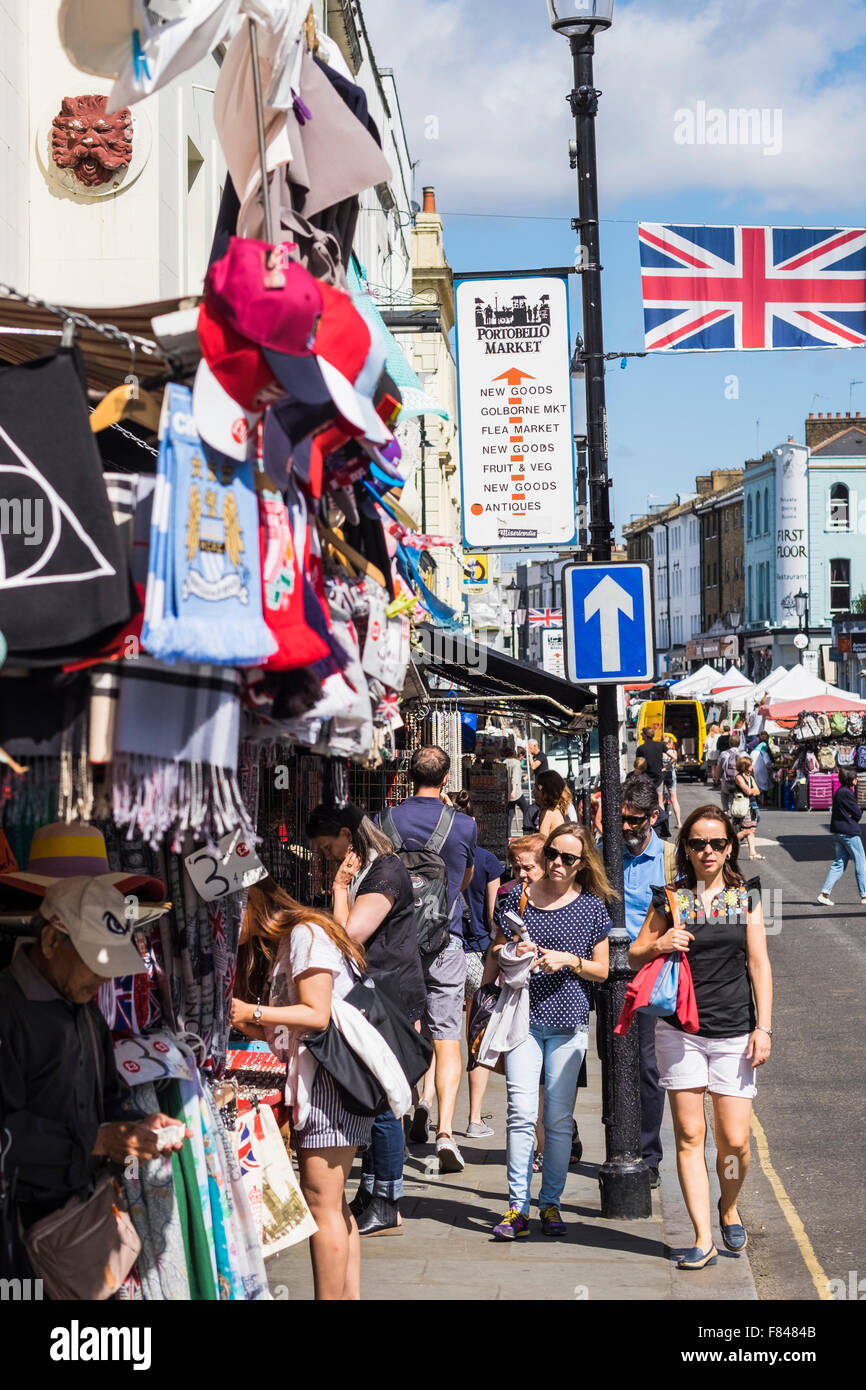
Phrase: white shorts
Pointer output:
(720, 1065)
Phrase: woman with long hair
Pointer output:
(298, 959)
(717, 921)
(669, 775)
(553, 799)
(374, 902)
(567, 923)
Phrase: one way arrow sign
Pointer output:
(608, 623)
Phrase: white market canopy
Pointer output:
(733, 679)
(796, 684)
(695, 684)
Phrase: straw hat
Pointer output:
(60, 851)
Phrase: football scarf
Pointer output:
(64, 577)
(204, 594)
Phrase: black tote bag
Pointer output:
(376, 996)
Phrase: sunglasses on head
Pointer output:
(632, 821)
(696, 845)
(551, 855)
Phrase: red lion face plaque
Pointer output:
(89, 143)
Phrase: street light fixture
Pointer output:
(623, 1177)
(572, 17)
(801, 608)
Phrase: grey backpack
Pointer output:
(429, 875)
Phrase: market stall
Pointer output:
(212, 632)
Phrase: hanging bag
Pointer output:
(84, 1251)
(845, 755)
(826, 758)
(855, 725)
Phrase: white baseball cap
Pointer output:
(93, 915)
(220, 421)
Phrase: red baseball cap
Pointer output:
(276, 309)
(236, 363)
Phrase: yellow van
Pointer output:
(685, 720)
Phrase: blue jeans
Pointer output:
(847, 847)
(382, 1164)
(558, 1053)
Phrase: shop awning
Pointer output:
(787, 712)
(480, 677)
(27, 332)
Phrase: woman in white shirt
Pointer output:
(299, 959)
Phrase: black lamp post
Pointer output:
(623, 1177)
(801, 607)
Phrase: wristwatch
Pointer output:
(257, 1012)
(759, 1027)
(578, 969)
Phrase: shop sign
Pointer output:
(476, 570)
(553, 652)
(792, 505)
(516, 427)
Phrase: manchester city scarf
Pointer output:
(204, 586)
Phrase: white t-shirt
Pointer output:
(307, 947)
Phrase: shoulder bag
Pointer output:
(376, 996)
(480, 1011)
(84, 1251)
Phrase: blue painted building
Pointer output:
(837, 518)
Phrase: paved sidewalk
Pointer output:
(447, 1251)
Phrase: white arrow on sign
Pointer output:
(608, 599)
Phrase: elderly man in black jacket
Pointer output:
(65, 1108)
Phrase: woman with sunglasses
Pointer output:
(719, 924)
(566, 921)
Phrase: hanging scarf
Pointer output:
(204, 600)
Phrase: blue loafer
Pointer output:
(698, 1259)
(734, 1236)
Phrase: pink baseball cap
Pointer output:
(241, 288)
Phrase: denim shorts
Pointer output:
(445, 978)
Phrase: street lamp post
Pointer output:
(734, 624)
(801, 607)
(623, 1177)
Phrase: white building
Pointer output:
(142, 236)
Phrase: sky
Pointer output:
(483, 86)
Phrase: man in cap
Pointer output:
(62, 1101)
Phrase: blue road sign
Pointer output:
(608, 624)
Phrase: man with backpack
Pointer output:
(437, 844)
(728, 773)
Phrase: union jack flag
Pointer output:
(712, 288)
(545, 617)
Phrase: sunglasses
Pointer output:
(551, 855)
(696, 845)
(632, 821)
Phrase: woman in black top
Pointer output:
(374, 901)
(845, 828)
(715, 918)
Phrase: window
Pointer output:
(838, 512)
(749, 519)
(749, 610)
(727, 519)
(840, 586)
(767, 510)
(727, 571)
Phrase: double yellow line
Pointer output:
(789, 1211)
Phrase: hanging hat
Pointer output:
(60, 851)
(311, 335)
(143, 45)
(236, 363)
(220, 420)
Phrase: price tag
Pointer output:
(227, 867)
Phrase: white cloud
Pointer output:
(496, 78)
